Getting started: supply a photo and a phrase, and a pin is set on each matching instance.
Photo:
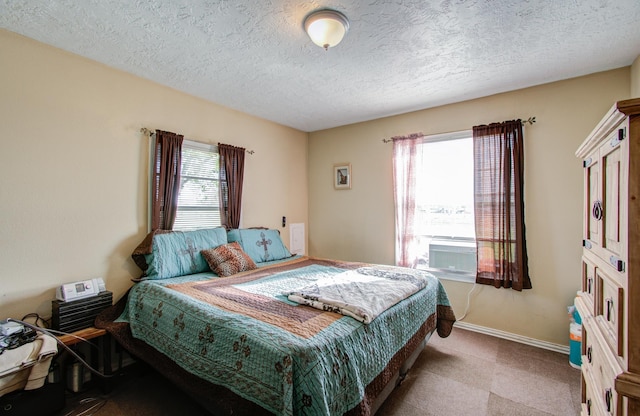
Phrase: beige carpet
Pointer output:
(465, 374)
(474, 374)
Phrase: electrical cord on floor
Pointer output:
(94, 405)
(51, 333)
(468, 303)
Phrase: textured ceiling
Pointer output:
(398, 56)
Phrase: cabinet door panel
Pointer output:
(612, 192)
(591, 405)
(610, 310)
(593, 210)
(601, 371)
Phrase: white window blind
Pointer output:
(198, 200)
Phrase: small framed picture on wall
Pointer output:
(342, 176)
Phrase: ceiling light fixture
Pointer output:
(326, 28)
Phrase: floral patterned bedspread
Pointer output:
(242, 332)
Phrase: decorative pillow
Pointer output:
(177, 253)
(261, 244)
(233, 235)
(228, 259)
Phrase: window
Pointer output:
(198, 199)
(444, 217)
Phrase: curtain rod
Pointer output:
(150, 133)
(530, 120)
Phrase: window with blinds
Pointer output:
(198, 200)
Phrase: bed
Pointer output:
(239, 345)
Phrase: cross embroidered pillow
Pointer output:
(228, 259)
(262, 245)
(177, 253)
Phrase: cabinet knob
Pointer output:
(609, 306)
(608, 398)
(597, 210)
(588, 406)
(589, 354)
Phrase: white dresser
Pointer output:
(609, 301)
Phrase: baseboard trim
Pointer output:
(514, 337)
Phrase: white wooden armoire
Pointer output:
(609, 301)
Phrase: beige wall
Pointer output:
(73, 169)
(635, 78)
(358, 224)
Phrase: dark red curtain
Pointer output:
(166, 179)
(231, 178)
(499, 205)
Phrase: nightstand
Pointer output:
(103, 353)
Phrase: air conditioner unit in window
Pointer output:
(458, 256)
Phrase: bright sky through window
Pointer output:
(445, 203)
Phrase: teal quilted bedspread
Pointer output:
(243, 333)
